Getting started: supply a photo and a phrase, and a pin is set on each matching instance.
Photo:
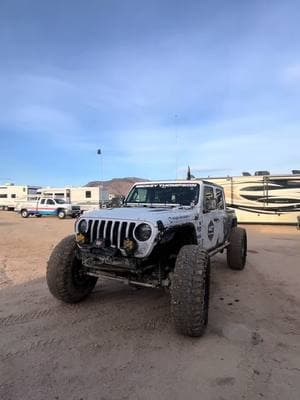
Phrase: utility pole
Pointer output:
(176, 144)
(99, 152)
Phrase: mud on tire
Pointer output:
(65, 277)
(190, 291)
(237, 249)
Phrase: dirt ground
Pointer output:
(120, 343)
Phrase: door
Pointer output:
(221, 218)
(212, 218)
(50, 207)
(40, 207)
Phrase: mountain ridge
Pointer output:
(117, 186)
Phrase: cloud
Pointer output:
(230, 74)
(291, 74)
(227, 147)
(39, 119)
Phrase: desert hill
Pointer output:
(117, 186)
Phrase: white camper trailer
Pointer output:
(86, 197)
(57, 193)
(11, 195)
(263, 198)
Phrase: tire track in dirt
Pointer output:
(14, 319)
(88, 332)
(4, 279)
(34, 346)
(68, 312)
(81, 311)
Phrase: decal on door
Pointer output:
(199, 227)
(211, 230)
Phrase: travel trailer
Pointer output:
(11, 195)
(86, 197)
(263, 198)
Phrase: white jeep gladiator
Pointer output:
(163, 236)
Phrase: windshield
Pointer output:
(183, 194)
(60, 201)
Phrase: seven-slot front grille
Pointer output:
(113, 232)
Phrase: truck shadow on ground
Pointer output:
(112, 305)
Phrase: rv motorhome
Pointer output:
(11, 195)
(86, 197)
(263, 198)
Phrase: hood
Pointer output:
(66, 205)
(167, 215)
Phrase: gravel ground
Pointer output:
(120, 343)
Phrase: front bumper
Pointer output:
(107, 258)
(71, 212)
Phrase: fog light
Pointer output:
(129, 246)
(80, 238)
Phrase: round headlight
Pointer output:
(82, 226)
(143, 232)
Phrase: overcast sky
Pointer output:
(157, 85)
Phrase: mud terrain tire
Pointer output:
(190, 291)
(65, 277)
(237, 249)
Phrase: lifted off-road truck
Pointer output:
(163, 236)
